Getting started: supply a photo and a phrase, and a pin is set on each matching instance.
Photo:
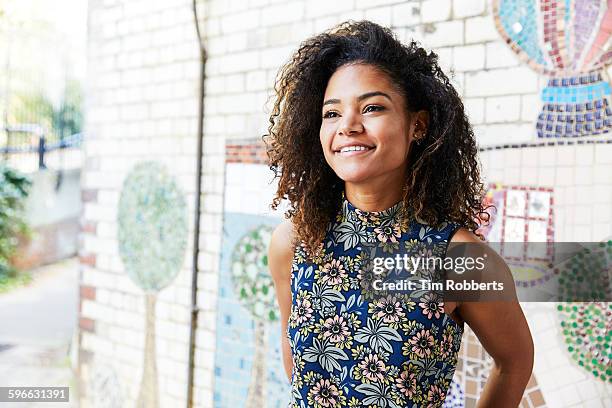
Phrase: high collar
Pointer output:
(370, 218)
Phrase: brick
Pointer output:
(318, 8)
(406, 14)
(87, 292)
(381, 15)
(517, 80)
(88, 227)
(475, 109)
(275, 57)
(499, 55)
(469, 57)
(365, 4)
(469, 8)
(480, 29)
(89, 259)
(89, 195)
(282, 13)
(256, 81)
(442, 34)
(498, 134)
(435, 10)
(87, 324)
(530, 107)
(235, 83)
(502, 109)
(240, 21)
(239, 62)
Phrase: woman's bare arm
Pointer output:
(280, 256)
(502, 330)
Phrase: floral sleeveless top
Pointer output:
(354, 346)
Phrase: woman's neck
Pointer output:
(375, 196)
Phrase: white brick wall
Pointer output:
(142, 104)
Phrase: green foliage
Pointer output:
(14, 188)
(35, 107)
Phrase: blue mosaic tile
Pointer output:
(249, 297)
(569, 41)
(518, 18)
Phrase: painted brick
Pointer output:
(435, 10)
(502, 109)
(499, 55)
(240, 21)
(507, 81)
(475, 109)
(469, 57)
(530, 107)
(318, 8)
(282, 13)
(365, 4)
(463, 8)
(405, 14)
(480, 29)
(442, 34)
(381, 15)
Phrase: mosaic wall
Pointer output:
(521, 214)
(472, 373)
(248, 368)
(152, 235)
(587, 332)
(569, 41)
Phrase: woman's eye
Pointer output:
(373, 108)
(329, 114)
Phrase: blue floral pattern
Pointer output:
(356, 347)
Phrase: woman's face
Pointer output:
(365, 131)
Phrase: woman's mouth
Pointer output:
(353, 151)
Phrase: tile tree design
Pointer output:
(152, 235)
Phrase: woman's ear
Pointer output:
(419, 125)
(422, 120)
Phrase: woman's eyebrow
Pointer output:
(360, 98)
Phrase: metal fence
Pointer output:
(28, 149)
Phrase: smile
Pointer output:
(353, 151)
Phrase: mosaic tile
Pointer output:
(569, 41)
(103, 386)
(586, 275)
(249, 369)
(455, 397)
(587, 332)
(472, 373)
(152, 226)
(521, 214)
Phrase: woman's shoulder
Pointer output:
(281, 250)
(463, 234)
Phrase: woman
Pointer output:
(393, 169)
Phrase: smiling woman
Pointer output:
(376, 157)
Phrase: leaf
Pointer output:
(350, 301)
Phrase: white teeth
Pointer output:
(353, 149)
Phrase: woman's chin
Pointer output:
(354, 176)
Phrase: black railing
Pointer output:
(31, 139)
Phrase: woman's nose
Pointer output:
(350, 125)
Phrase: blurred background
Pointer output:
(134, 195)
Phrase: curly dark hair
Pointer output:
(443, 182)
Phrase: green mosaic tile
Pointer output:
(250, 277)
(152, 233)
